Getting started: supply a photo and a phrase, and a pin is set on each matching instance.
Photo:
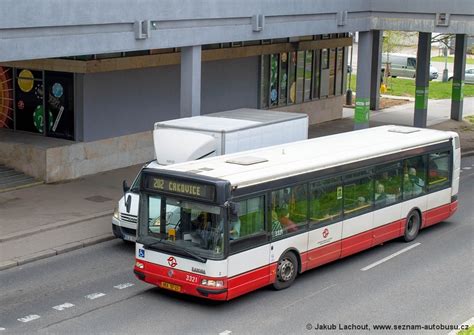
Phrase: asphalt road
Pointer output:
(93, 290)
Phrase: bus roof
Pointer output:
(295, 158)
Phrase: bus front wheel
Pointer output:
(286, 271)
(412, 227)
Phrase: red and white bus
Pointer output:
(224, 226)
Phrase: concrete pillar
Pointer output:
(190, 102)
(422, 79)
(458, 77)
(376, 69)
(364, 70)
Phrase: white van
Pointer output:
(401, 65)
(192, 138)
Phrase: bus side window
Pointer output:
(414, 177)
(388, 184)
(358, 192)
(289, 207)
(325, 200)
(438, 170)
(251, 216)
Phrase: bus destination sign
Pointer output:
(194, 190)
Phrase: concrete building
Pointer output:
(82, 82)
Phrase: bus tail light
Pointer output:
(212, 283)
(139, 265)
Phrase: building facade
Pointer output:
(80, 88)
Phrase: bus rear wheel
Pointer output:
(412, 227)
(286, 271)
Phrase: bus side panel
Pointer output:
(420, 203)
(357, 234)
(439, 204)
(387, 223)
(324, 245)
(456, 171)
(298, 242)
(248, 271)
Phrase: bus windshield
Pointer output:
(189, 227)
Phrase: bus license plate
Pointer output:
(171, 287)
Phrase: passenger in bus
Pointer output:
(413, 185)
(285, 221)
(380, 195)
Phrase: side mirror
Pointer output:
(125, 187)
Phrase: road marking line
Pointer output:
(310, 296)
(1, 328)
(63, 306)
(29, 318)
(94, 296)
(368, 267)
(467, 168)
(226, 332)
(122, 286)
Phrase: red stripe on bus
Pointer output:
(356, 243)
(388, 232)
(321, 255)
(437, 214)
(251, 280)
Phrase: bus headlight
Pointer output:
(116, 213)
(212, 283)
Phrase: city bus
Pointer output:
(225, 226)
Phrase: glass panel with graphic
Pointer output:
(283, 78)
(274, 80)
(29, 101)
(60, 104)
(292, 77)
(6, 97)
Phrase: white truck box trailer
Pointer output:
(197, 137)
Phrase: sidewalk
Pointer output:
(51, 219)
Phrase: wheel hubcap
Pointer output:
(286, 270)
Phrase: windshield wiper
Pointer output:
(192, 254)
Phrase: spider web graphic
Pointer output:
(6, 98)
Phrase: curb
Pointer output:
(21, 186)
(52, 226)
(55, 251)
